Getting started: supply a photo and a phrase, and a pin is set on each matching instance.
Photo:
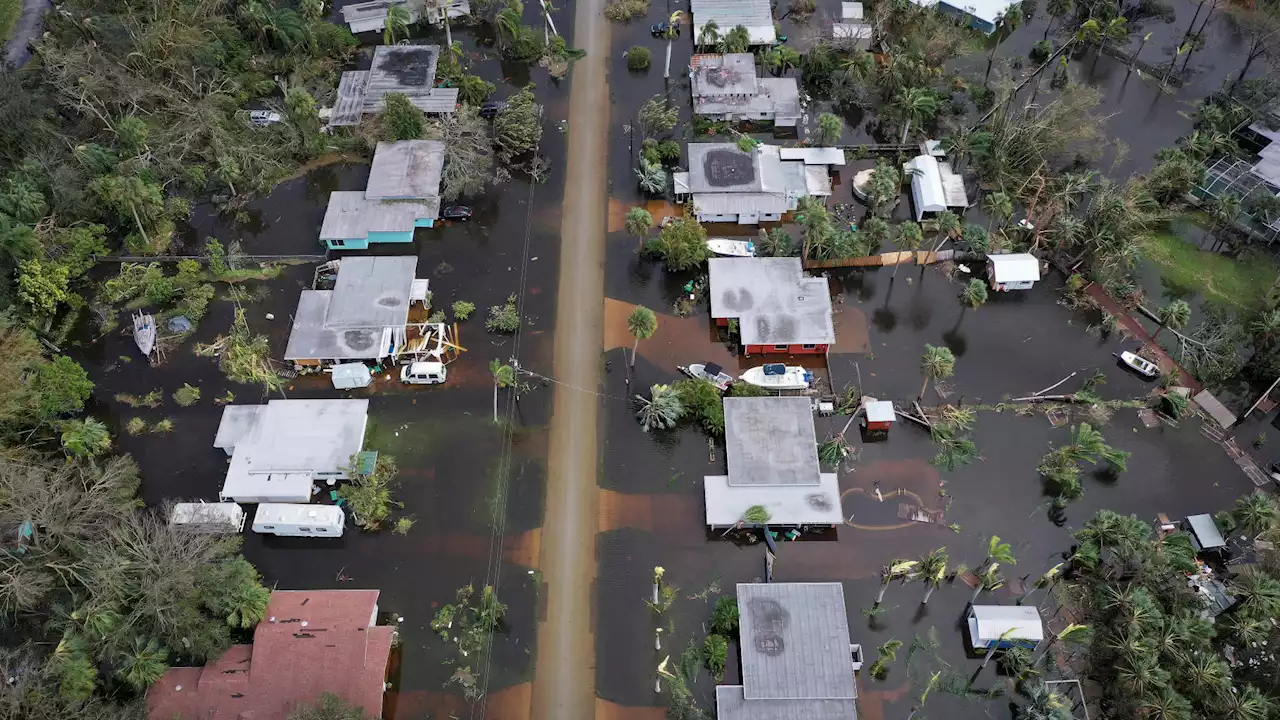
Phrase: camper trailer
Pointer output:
(202, 517)
(292, 520)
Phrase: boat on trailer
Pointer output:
(1139, 364)
(777, 376)
(731, 248)
(710, 372)
(144, 332)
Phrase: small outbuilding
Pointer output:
(981, 15)
(1205, 536)
(988, 625)
(880, 414)
(934, 187)
(1013, 271)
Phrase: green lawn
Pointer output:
(1240, 283)
(10, 11)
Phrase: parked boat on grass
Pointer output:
(731, 248)
(710, 372)
(777, 376)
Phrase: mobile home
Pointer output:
(294, 520)
(203, 517)
(1004, 626)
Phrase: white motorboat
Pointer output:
(710, 372)
(777, 376)
(144, 332)
(731, 248)
(1139, 364)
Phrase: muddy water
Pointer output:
(564, 682)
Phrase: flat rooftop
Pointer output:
(789, 505)
(406, 170)
(773, 300)
(777, 96)
(290, 438)
(770, 441)
(796, 656)
(372, 295)
(721, 75)
(352, 216)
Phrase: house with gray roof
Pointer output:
(372, 16)
(772, 456)
(728, 184)
(797, 661)
(365, 316)
(726, 87)
(778, 309)
(403, 194)
(406, 69)
(755, 15)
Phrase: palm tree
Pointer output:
(787, 59)
(876, 230)
(916, 105)
(639, 222)
(85, 438)
(988, 579)
(738, 40)
(933, 568)
(1045, 582)
(1071, 633)
(1136, 53)
(504, 376)
(507, 21)
(673, 29)
(662, 409)
(908, 238)
(948, 224)
(999, 207)
(974, 294)
(652, 177)
(954, 450)
(397, 24)
(1247, 704)
(897, 568)
(142, 663)
(1255, 512)
(995, 645)
(998, 551)
(1224, 212)
(1057, 9)
(937, 363)
(1266, 328)
(709, 34)
(642, 324)
(1258, 593)
(1175, 315)
(830, 128)
(1117, 28)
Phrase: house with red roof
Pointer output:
(311, 642)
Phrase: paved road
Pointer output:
(29, 26)
(565, 674)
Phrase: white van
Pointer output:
(203, 517)
(295, 520)
(423, 373)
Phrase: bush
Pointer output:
(463, 309)
(638, 58)
(62, 387)
(1041, 50)
(504, 318)
(623, 10)
(135, 426)
(187, 395)
(369, 496)
(400, 120)
(716, 651)
(702, 400)
(724, 618)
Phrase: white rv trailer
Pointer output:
(294, 520)
(203, 517)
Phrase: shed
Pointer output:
(1204, 533)
(880, 414)
(856, 35)
(927, 193)
(982, 15)
(346, 376)
(797, 660)
(755, 15)
(987, 623)
(851, 11)
(813, 155)
(1013, 271)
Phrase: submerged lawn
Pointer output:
(1239, 282)
(10, 11)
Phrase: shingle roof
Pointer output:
(312, 642)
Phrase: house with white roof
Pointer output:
(934, 186)
(778, 309)
(403, 194)
(755, 15)
(1012, 271)
(747, 188)
(1004, 626)
(279, 450)
(772, 453)
(797, 661)
(727, 87)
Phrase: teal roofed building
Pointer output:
(403, 194)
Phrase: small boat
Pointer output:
(1139, 364)
(144, 332)
(777, 376)
(732, 248)
(710, 372)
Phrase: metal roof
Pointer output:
(1212, 405)
(406, 170)
(1205, 532)
(817, 181)
(350, 102)
(722, 168)
(773, 300)
(405, 69)
(988, 622)
(1015, 267)
(880, 411)
(755, 15)
(813, 155)
(850, 31)
(926, 184)
(731, 705)
(819, 504)
(352, 216)
(795, 642)
(237, 423)
(770, 441)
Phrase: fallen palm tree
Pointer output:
(243, 356)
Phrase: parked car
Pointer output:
(423, 373)
(455, 212)
(490, 109)
(264, 117)
(660, 29)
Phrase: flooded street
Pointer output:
(564, 682)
